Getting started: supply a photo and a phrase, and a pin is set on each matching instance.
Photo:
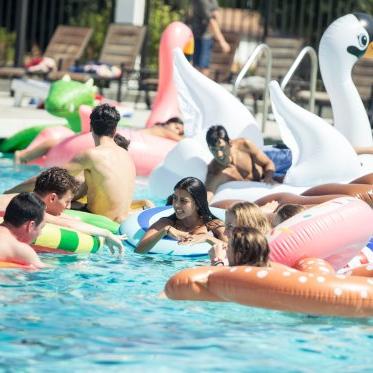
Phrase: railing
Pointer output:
(313, 76)
(258, 51)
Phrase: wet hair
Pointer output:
(248, 214)
(250, 247)
(174, 120)
(215, 133)
(169, 200)
(197, 190)
(55, 180)
(24, 207)
(171, 120)
(121, 141)
(104, 120)
(288, 210)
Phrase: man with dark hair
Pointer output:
(235, 160)
(109, 171)
(56, 187)
(23, 221)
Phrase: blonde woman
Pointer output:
(241, 214)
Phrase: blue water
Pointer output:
(103, 313)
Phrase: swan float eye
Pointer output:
(363, 40)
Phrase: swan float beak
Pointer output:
(189, 47)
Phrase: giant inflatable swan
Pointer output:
(321, 154)
(313, 142)
(203, 104)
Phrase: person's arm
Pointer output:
(114, 242)
(262, 160)
(216, 227)
(214, 26)
(155, 233)
(172, 135)
(78, 164)
(25, 254)
(211, 182)
(218, 255)
(364, 150)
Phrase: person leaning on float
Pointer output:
(192, 221)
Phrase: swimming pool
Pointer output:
(103, 313)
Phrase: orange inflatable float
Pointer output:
(312, 288)
(11, 265)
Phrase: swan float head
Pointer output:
(343, 43)
(165, 106)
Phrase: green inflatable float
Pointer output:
(64, 99)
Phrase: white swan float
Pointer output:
(321, 154)
(343, 43)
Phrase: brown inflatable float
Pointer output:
(313, 288)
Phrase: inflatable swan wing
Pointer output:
(211, 104)
(203, 103)
(321, 153)
(343, 43)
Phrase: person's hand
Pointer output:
(114, 242)
(226, 48)
(176, 234)
(218, 253)
(267, 179)
(269, 207)
(192, 239)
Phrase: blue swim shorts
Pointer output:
(202, 52)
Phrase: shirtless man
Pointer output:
(56, 188)
(23, 221)
(235, 160)
(109, 172)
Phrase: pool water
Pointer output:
(102, 312)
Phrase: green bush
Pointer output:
(160, 16)
(7, 46)
(98, 20)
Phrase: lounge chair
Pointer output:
(122, 45)
(65, 47)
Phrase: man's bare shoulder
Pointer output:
(243, 144)
(7, 238)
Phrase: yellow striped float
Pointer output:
(54, 238)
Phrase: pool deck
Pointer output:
(14, 119)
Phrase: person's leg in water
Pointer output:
(28, 155)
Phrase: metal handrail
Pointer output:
(313, 77)
(254, 56)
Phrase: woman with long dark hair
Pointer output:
(192, 221)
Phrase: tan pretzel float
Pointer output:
(313, 288)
